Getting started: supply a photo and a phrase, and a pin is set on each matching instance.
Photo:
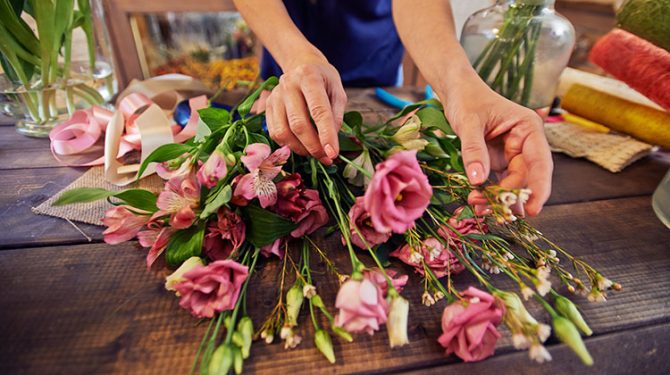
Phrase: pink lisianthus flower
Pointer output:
(177, 167)
(302, 206)
(398, 194)
(122, 224)
(263, 168)
(224, 235)
(213, 170)
(439, 259)
(376, 276)
(362, 307)
(361, 218)
(470, 326)
(463, 226)
(180, 197)
(156, 238)
(211, 289)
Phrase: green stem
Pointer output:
(233, 319)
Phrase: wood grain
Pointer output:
(95, 308)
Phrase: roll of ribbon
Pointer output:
(641, 122)
(642, 65)
(139, 123)
(648, 19)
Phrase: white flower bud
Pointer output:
(309, 291)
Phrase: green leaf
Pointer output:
(184, 244)
(244, 107)
(466, 213)
(138, 198)
(164, 153)
(201, 132)
(214, 118)
(411, 107)
(254, 123)
(222, 197)
(432, 117)
(347, 144)
(353, 119)
(264, 227)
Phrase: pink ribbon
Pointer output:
(78, 138)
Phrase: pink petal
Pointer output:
(255, 154)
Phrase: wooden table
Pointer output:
(72, 306)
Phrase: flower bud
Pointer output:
(409, 135)
(317, 301)
(246, 329)
(433, 148)
(568, 334)
(342, 333)
(238, 361)
(324, 344)
(221, 361)
(397, 321)
(294, 299)
(178, 276)
(568, 309)
(268, 336)
(515, 306)
(308, 291)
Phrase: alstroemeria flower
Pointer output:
(180, 197)
(156, 238)
(213, 170)
(439, 259)
(263, 168)
(224, 235)
(355, 176)
(469, 325)
(122, 224)
(398, 194)
(176, 167)
(408, 135)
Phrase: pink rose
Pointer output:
(211, 289)
(469, 326)
(224, 235)
(362, 306)
(376, 276)
(359, 216)
(463, 226)
(439, 259)
(122, 224)
(213, 170)
(398, 194)
(314, 214)
(302, 206)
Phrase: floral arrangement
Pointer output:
(234, 199)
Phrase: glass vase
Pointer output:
(519, 48)
(83, 80)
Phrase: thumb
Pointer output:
(474, 152)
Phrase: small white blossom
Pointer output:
(543, 332)
(415, 257)
(292, 341)
(527, 292)
(267, 336)
(474, 300)
(596, 296)
(438, 295)
(507, 255)
(507, 198)
(539, 353)
(604, 283)
(309, 291)
(524, 195)
(434, 252)
(520, 341)
(543, 272)
(285, 332)
(427, 299)
(543, 287)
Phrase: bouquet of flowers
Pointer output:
(234, 199)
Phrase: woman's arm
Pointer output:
(496, 134)
(310, 86)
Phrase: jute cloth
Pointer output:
(92, 212)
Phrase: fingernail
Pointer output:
(476, 173)
(330, 151)
(326, 161)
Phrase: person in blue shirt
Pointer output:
(317, 47)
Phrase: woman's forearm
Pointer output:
(272, 24)
(427, 31)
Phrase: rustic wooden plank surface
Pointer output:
(95, 308)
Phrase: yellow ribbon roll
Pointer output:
(644, 123)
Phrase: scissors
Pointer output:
(396, 102)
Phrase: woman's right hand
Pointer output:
(311, 87)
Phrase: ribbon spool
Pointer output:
(140, 123)
(641, 122)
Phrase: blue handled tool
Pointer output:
(396, 102)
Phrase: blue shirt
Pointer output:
(358, 38)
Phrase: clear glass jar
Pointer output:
(520, 48)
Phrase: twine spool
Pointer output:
(641, 122)
(648, 19)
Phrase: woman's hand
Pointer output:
(311, 88)
(500, 136)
